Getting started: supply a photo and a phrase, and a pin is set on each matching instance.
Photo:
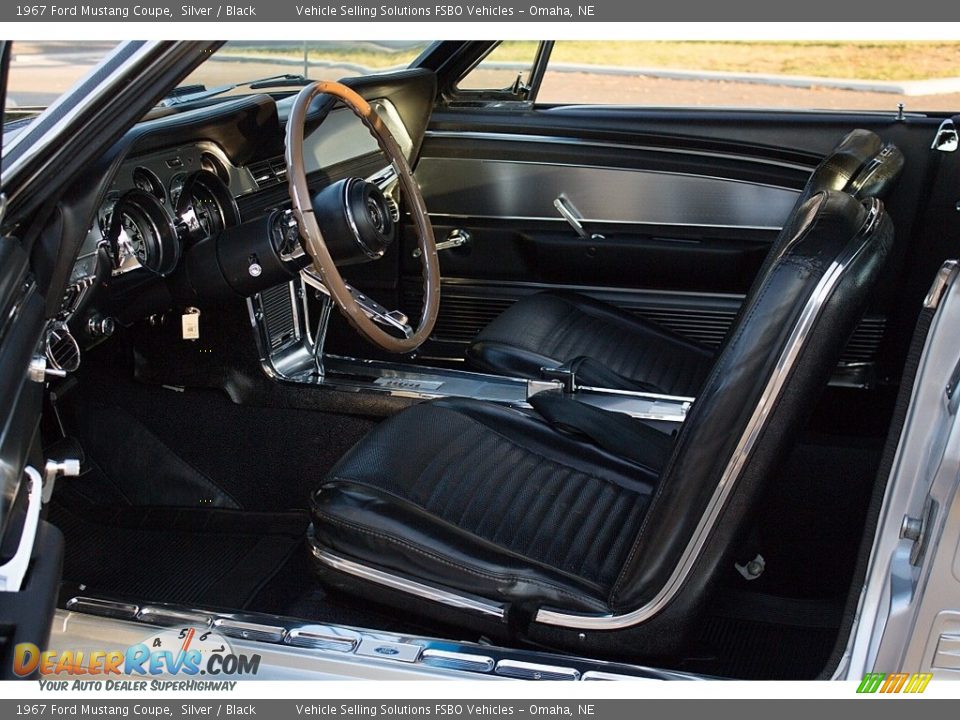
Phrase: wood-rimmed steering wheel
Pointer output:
(356, 308)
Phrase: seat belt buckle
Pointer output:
(565, 375)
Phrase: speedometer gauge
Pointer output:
(142, 233)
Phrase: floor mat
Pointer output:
(151, 445)
(194, 556)
(763, 651)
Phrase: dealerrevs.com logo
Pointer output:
(889, 683)
(185, 651)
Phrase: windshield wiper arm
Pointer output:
(272, 81)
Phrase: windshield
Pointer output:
(41, 71)
(240, 62)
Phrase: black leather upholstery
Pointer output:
(824, 228)
(494, 502)
(487, 500)
(550, 329)
(555, 329)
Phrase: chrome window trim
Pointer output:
(604, 222)
(784, 366)
(561, 140)
(410, 587)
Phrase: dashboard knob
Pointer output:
(100, 326)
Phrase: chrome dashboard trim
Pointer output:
(731, 474)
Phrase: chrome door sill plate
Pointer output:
(292, 649)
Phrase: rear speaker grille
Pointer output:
(461, 317)
(705, 326)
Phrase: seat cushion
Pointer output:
(487, 500)
(550, 329)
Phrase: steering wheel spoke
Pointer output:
(379, 314)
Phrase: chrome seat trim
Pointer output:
(728, 480)
(411, 587)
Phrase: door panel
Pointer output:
(687, 204)
(525, 191)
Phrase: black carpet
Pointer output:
(207, 558)
(809, 523)
(188, 498)
(191, 556)
(807, 527)
(149, 445)
(749, 650)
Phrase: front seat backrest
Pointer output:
(860, 165)
(769, 374)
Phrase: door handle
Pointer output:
(570, 213)
(456, 238)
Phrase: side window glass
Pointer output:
(41, 71)
(506, 72)
(817, 75)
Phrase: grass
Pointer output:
(860, 60)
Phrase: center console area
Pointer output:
(290, 322)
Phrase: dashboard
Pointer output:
(196, 202)
(146, 217)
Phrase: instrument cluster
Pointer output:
(162, 203)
